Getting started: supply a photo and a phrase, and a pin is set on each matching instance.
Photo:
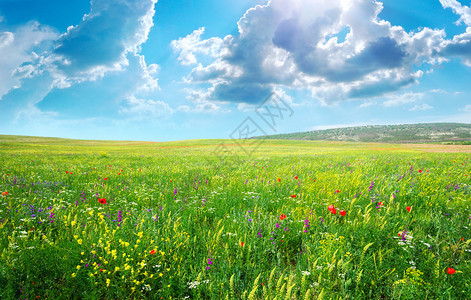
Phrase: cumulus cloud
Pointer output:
(201, 104)
(188, 46)
(460, 46)
(107, 40)
(17, 49)
(467, 108)
(463, 11)
(102, 41)
(298, 44)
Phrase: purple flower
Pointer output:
(278, 225)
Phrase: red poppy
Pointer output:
(106, 178)
(450, 271)
(282, 217)
(152, 252)
(4, 193)
(337, 191)
(380, 203)
(293, 196)
(408, 208)
(71, 173)
(343, 213)
(119, 173)
(242, 244)
(296, 177)
(332, 209)
(279, 179)
(101, 270)
(420, 171)
(102, 200)
(66, 172)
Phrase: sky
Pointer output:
(171, 70)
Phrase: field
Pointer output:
(290, 220)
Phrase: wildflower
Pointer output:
(337, 191)
(4, 193)
(371, 186)
(420, 171)
(106, 178)
(343, 213)
(279, 179)
(293, 196)
(152, 252)
(282, 217)
(408, 208)
(296, 177)
(450, 271)
(332, 209)
(102, 200)
(242, 244)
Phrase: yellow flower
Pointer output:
(73, 275)
(108, 282)
(78, 267)
(79, 241)
(160, 274)
(116, 269)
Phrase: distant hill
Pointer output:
(452, 133)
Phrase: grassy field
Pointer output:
(288, 220)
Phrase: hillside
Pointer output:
(454, 133)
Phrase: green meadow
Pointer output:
(216, 219)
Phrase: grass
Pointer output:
(181, 222)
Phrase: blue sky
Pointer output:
(173, 70)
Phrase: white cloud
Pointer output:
(401, 99)
(102, 41)
(146, 109)
(467, 108)
(424, 106)
(294, 44)
(17, 52)
(367, 104)
(192, 44)
(463, 11)
(108, 39)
